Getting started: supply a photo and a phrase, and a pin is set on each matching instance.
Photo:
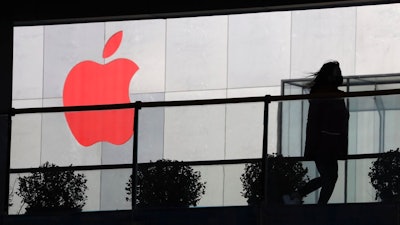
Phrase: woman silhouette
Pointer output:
(326, 133)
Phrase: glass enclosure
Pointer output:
(371, 126)
(372, 130)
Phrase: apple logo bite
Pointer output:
(92, 83)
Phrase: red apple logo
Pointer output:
(91, 83)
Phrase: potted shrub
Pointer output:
(284, 176)
(385, 176)
(166, 183)
(52, 190)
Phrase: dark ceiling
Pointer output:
(37, 12)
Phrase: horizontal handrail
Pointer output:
(140, 104)
(191, 163)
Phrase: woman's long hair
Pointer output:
(329, 75)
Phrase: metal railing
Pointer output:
(137, 106)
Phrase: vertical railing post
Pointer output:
(5, 140)
(6, 71)
(138, 106)
(346, 161)
(264, 164)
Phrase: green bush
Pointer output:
(385, 176)
(53, 189)
(166, 183)
(284, 176)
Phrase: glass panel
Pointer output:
(213, 176)
(151, 134)
(14, 201)
(353, 184)
(195, 133)
(105, 138)
(274, 125)
(26, 136)
(372, 121)
(172, 184)
(233, 186)
(167, 184)
(293, 87)
(103, 192)
(212, 132)
(62, 144)
(249, 117)
(359, 188)
(292, 128)
(244, 130)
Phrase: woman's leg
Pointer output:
(311, 186)
(328, 170)
(296, 197)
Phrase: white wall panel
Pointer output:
(65, 46)
(196, 53)
(259, 49)
(28, 63)
(321, 35)
(378, 39)
(143, 42)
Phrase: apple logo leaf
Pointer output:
(112, 44)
